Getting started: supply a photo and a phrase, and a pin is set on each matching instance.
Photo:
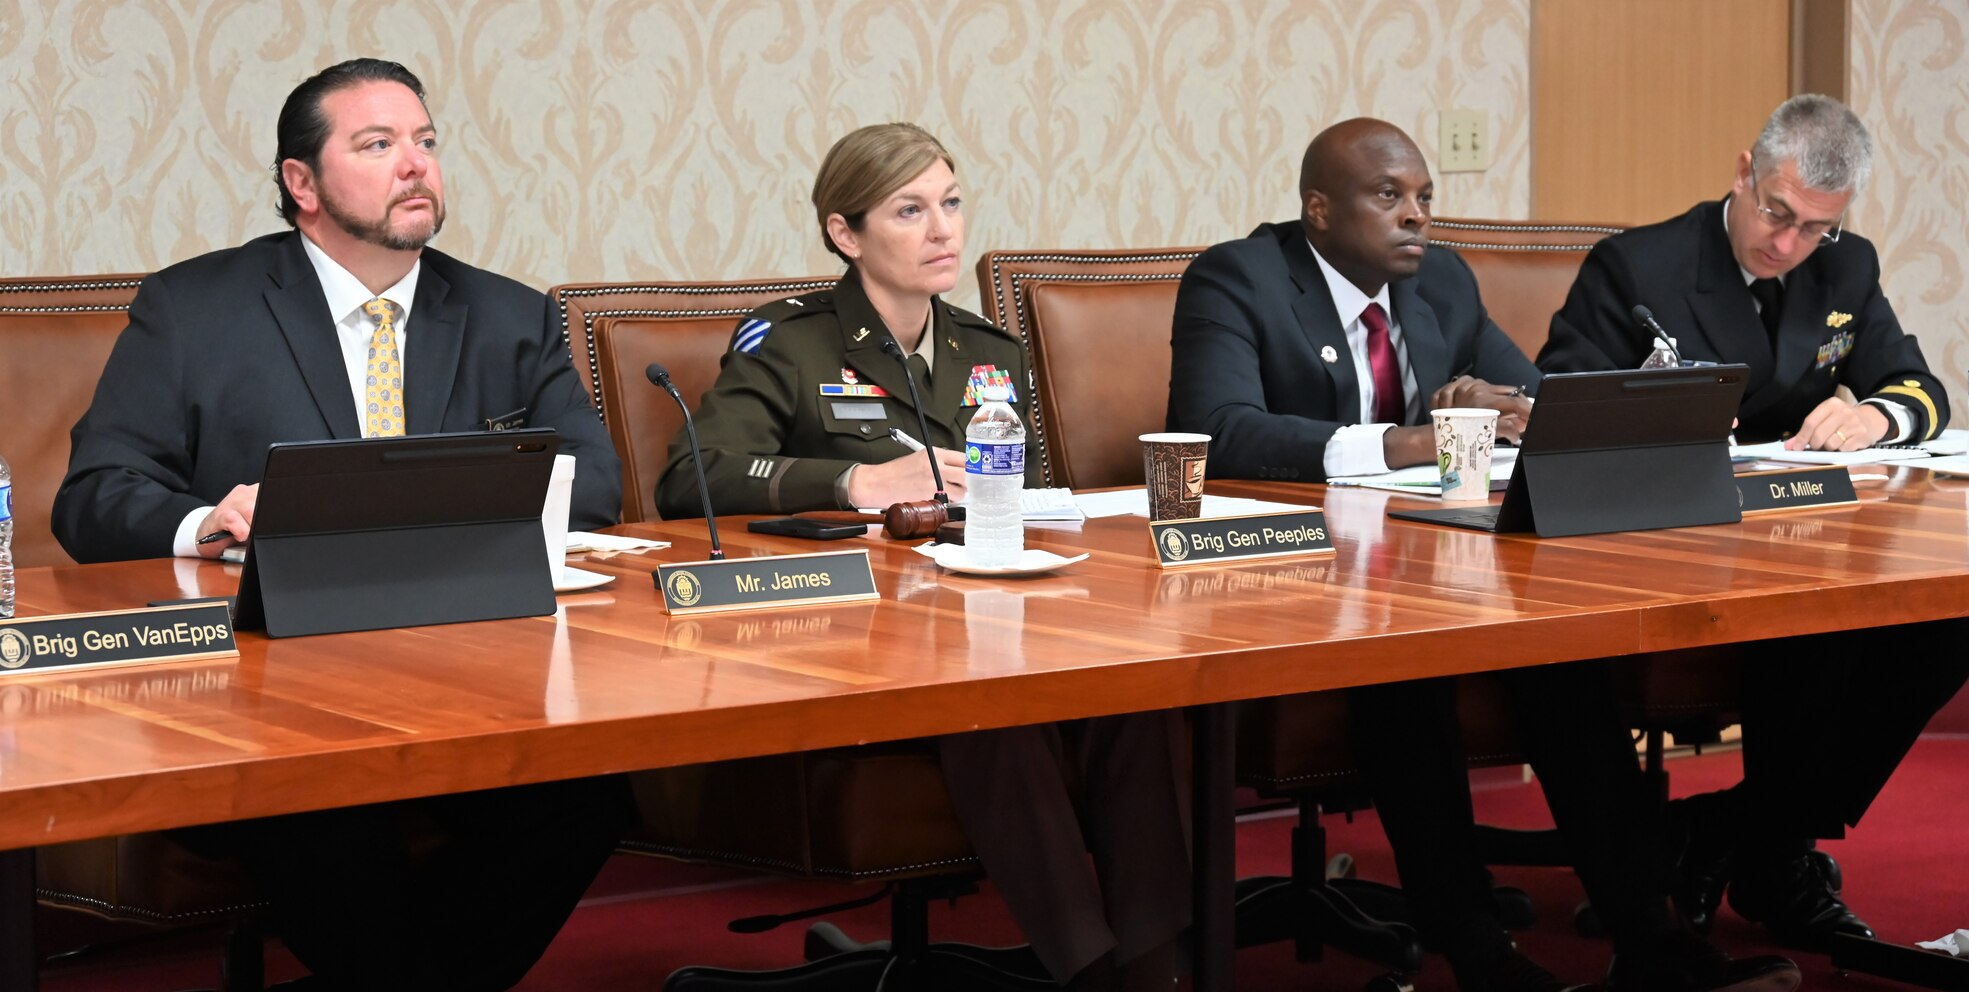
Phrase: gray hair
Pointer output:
(1830, 146)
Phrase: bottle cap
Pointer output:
(997, 394)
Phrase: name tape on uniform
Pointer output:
(1794, 489)
(1207, 540)
(121, 637)
(773, 580)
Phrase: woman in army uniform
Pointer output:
(801, 413)
(799, 419)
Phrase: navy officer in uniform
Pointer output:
(1768, 277)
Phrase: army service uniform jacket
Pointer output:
(806, 391)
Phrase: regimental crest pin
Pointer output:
(848, 376)
(1837, 319)
(1329, 355)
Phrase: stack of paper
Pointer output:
(1775, 452)
(1426, 480)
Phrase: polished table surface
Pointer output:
(610, 683)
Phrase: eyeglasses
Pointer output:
(1824, 232)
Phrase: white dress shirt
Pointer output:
(344, 296)
(1356, 448)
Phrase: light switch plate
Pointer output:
(1465, 141)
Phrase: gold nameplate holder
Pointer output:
(1213, 540)
(190, 632)
(773, 580)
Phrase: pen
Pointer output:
(215, 537)
(905, 440)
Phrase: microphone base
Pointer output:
(950, 532)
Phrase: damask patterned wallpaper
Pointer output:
(1909, 81)
(620, 139)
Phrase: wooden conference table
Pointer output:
(612, 684)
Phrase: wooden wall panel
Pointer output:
(1639, 106)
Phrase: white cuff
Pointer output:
(1900, 420)
(1356, 450)
(185, 545)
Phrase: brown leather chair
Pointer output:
(1114, 309)
(864, 814)
(55, 335)
(581, 304)
(1525, 268)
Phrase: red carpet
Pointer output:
(1905, 873)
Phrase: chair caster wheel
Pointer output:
(1586, 922)
(1393, 982)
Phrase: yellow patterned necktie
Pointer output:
(382, 405)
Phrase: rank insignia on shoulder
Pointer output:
(751, 336)
(852, 389)
(983, 376)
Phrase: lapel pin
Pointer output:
(861, 334)
(1328, 355)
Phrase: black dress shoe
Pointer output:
(1683, 962)
(1703, 835)
(1797, 899)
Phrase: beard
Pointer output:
(379, 231)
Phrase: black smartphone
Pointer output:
(817, 530)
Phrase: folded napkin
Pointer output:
(609, 544)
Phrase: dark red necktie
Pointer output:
(1388, 402)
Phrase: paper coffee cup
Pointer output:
(1464, 440)
(1173, 467)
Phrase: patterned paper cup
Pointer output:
(1173, 465)
(1464, 438)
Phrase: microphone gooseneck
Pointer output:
(894, 351)
(1646, 318)
(660, 376)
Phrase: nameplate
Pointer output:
(1206, 540)
(1795, 489)
(775, 580)
(120, 637)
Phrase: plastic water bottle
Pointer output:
(1663, 357)
(6, 541)
(995, 469)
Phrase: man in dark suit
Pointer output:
(1304, 364)
(1318, 348)
(1769, 278)
(348, 327)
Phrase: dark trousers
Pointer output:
(1035, 801)
(1408, 738)
(459, 892)
(1828, 717)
